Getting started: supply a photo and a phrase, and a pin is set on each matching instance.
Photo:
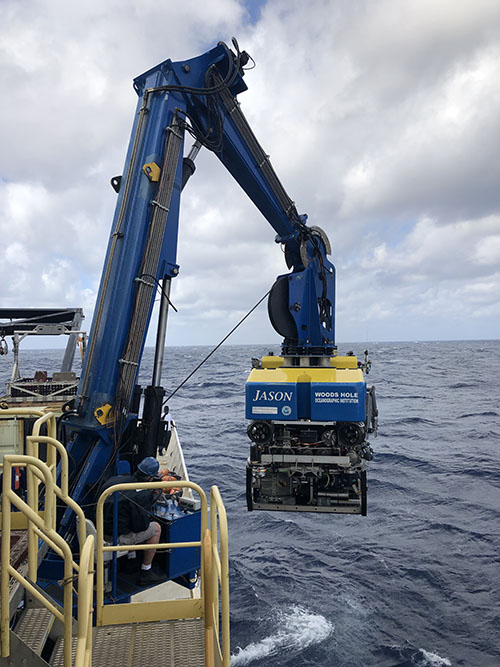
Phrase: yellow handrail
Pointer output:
(213, 544)
(83, 657)
(49, 419)
(100, 548)
(214, 567)
(23, 412)
(208, 600)
(32, 442)
(44, 529)
(220, 573)
(32, 481)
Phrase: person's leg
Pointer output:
(154, 539)
(149, 536)
(148, 577)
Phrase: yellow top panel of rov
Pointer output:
(344, 362)
(272, 361)
(305, 374)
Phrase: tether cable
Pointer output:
(216, 347)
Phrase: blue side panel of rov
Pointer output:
(303, 400)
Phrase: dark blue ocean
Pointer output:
(417, 581)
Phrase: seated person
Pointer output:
(135, 508)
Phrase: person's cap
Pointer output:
(149, 467)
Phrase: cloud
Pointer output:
(381, 119)
(452, 251)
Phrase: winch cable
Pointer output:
(160, 288)
(138, 324)
(216, 347)
(111, 460)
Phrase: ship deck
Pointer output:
(178, 643)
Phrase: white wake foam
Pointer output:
(432, 660)
(297, 629)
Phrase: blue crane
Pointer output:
(199, 97)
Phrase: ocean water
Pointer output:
(417, 581)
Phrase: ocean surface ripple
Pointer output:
(415, 583)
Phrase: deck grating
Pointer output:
(57, 659)
(179, 643)
(34, 627)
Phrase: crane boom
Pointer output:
(199, 96)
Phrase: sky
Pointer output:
(382, 120)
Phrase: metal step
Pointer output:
(57, 657)
(21, 654)
(159, 644)
(33, 628)
(18, 560)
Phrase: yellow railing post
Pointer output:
(221, 562)
(53, 445)
(208, 597)
(32, 483)
(49, 419)
(32, 498)
(5, 554)
(83, 657)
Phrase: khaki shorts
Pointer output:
(139, 538)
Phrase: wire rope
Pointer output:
(216, 348)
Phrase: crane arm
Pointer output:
(199, 96)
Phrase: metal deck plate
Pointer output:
(18, 556)
(57, 659)
(159, 644)
(34, 627)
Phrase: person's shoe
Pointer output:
(151, 577)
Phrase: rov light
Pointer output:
(351, 434)
(260, 432)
